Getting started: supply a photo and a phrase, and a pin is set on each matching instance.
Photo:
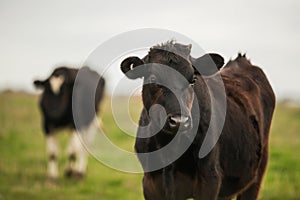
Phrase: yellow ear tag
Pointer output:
(131, 66)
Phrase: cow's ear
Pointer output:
(128, 67)
(39, 84)
(208, 64)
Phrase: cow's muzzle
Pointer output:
(177, 123)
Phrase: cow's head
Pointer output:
(169, 77)
(61, 77)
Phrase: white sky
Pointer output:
(37, 35)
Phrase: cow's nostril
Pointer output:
(178, 120)
(173, 122)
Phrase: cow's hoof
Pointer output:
(69, 173)
(78, 175)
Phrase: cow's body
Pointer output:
(236, 164)
(57, 104)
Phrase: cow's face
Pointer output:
(61, 77)
(168, 92)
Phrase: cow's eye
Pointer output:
(192, 83)
(152, 79)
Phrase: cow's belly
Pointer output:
(239, 162)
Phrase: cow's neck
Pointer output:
(201, 110)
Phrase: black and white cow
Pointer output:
(62, 100)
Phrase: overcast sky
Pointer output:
(36, 36)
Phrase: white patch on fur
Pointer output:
(56, 83)
(77, 145)
(52, 169)
(77, 148)
(52, 147)
(73, 144)
(52, 150)
(81, 165)
(91, 131)
(88, 135)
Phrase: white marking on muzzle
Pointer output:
(56, 83)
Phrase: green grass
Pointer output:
(282, 180)
(23, 156)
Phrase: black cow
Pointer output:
(236, 164)
(60, 103)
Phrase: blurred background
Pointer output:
(37, 36)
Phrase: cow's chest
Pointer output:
(169, 184)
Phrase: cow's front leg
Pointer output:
(52, 151)
(209, 185)
(82, 140)
(72, 156)
(153, 188)
(82, 161)
(77, 157)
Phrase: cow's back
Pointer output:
(87, 94)
(248, 86)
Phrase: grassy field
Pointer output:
(23, 157)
